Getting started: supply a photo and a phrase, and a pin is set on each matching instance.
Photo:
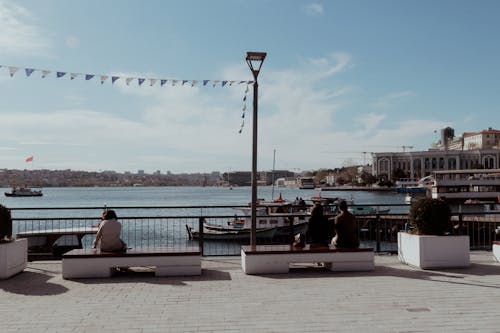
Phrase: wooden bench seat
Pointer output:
(264, 259)
(496, 250)
(92, 263)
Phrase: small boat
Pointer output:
(24, 191)
(229, 235)
(367, 210)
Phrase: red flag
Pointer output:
(29, 159)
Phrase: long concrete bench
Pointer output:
(92, 263)
(265, 259)
(496, 250)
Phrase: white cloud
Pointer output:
(314, 9)
(389, 100)
(19, 34)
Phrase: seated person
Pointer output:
(318, 230)
(108, 234)
(346, 231)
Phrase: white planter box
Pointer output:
(433, 251)
(496, 250)
(13, 257)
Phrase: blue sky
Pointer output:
(341, 78)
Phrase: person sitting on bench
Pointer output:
(346, 232)
(108, 234)
(318, 230)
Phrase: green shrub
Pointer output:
(5, 223)
(430, 217)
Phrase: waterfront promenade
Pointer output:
(393, 298)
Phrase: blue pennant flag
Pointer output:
(245, 98)
(141, 81)
(88, 76)
(114, 78)
(243, 116)
(184, 81)
(29, 71)
(60, 74)
(242, 82)
(205, 82)
(162, 82)
(224, 83)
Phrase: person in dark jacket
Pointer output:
(318, 230)
(346, 231)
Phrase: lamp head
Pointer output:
(255, 61)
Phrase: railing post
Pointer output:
(200, 231)
(377, 230)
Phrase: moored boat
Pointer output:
(229, 235)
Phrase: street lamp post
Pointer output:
(254, 61)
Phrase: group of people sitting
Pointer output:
(340, 231)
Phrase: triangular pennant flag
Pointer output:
(140, 80)
(183, 82)
(249, 82)
(45, 73)
(114, 78)
(89, 76)
(73, 75)
(29, 71)
(246, 89)
(174, 82)
(13, 70)
(231, 82)
(244, 107)
(244, 98)
(60, 74)
(193, 83)
(127, 80)
(215, 82)
(152, 82)
(205, 82)
(224, 83)
(104, 78)
(242, 82)
(243, 115)
(162, 82)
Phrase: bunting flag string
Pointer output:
(102, 77)
(244, 108)
(12, 70)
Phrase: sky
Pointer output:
(341, 79)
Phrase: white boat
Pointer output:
(367, 210)
(233, 235)
(24, 191)
(458, 186)
(270, 214)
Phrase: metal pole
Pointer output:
(253, 232)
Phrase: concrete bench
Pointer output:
(496, 250)
(264, 259)
(92, 263)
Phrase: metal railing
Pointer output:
(170, 227)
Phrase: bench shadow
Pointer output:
(145, 275)
(32, 284)
(448, 275)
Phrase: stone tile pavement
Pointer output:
(393, 298)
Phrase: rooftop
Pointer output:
(393, 298)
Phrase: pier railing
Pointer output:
(52, 231)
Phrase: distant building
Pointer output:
(140, 172)
(472, 150)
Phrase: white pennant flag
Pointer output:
(193, 83)
(104, 78)
(13, 70)
(174, 82)
(215, 82)
(152, 82)
(73, 76)
(128, 80)
(45, 73)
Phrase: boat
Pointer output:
(467, 191)
(276, 213)
(24, 191)
(306, 183)
(367, 210)
(232, 235)
(410, 186)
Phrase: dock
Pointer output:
(392, 298)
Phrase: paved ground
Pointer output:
(393, 298)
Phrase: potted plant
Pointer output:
(430, 243)
(13, 253)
